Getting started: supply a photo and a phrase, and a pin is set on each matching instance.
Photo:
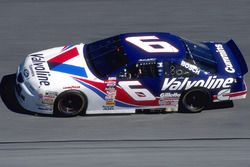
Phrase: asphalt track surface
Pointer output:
(211, 138)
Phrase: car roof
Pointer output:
(135, 51)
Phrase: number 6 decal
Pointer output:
(152, 44)
(138, 94)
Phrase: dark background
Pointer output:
(211, 138)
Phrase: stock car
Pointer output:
(129, 72)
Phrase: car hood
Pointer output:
(54, 66)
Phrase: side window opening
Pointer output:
(147, 69)
(142, 69)
(200, 55)
(203, 64)
(106, 56)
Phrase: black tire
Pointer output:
(194, 100)
(70, 103)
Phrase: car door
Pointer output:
(176, 75)
(140, 83)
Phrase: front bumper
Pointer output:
(28, 97)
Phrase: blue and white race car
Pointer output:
(131, 71)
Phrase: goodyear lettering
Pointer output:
(229, 67)
(211, 83)
(40, 70)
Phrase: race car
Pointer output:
(130, 72)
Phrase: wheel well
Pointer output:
(198, 89)
(202, 89)
(71, 91)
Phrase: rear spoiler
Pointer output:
(240, 59)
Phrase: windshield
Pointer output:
(200, 54)
(105, 56)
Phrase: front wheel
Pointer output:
(70, 103)
(194, 100)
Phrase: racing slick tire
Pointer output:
(70, 103)
(194, 100)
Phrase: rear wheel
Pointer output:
(70, 103)
(194, 100)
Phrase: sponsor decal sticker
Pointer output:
(212, 82)
(71, 87)
(48, 101)
(39, 66)
(169, 99)
(26, 73)
(229, 67)
(190, 67)
(49, 97)
(110, 90)
(226, 94)
(223, 94)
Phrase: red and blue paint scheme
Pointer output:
(132, 71)
(57, 63)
